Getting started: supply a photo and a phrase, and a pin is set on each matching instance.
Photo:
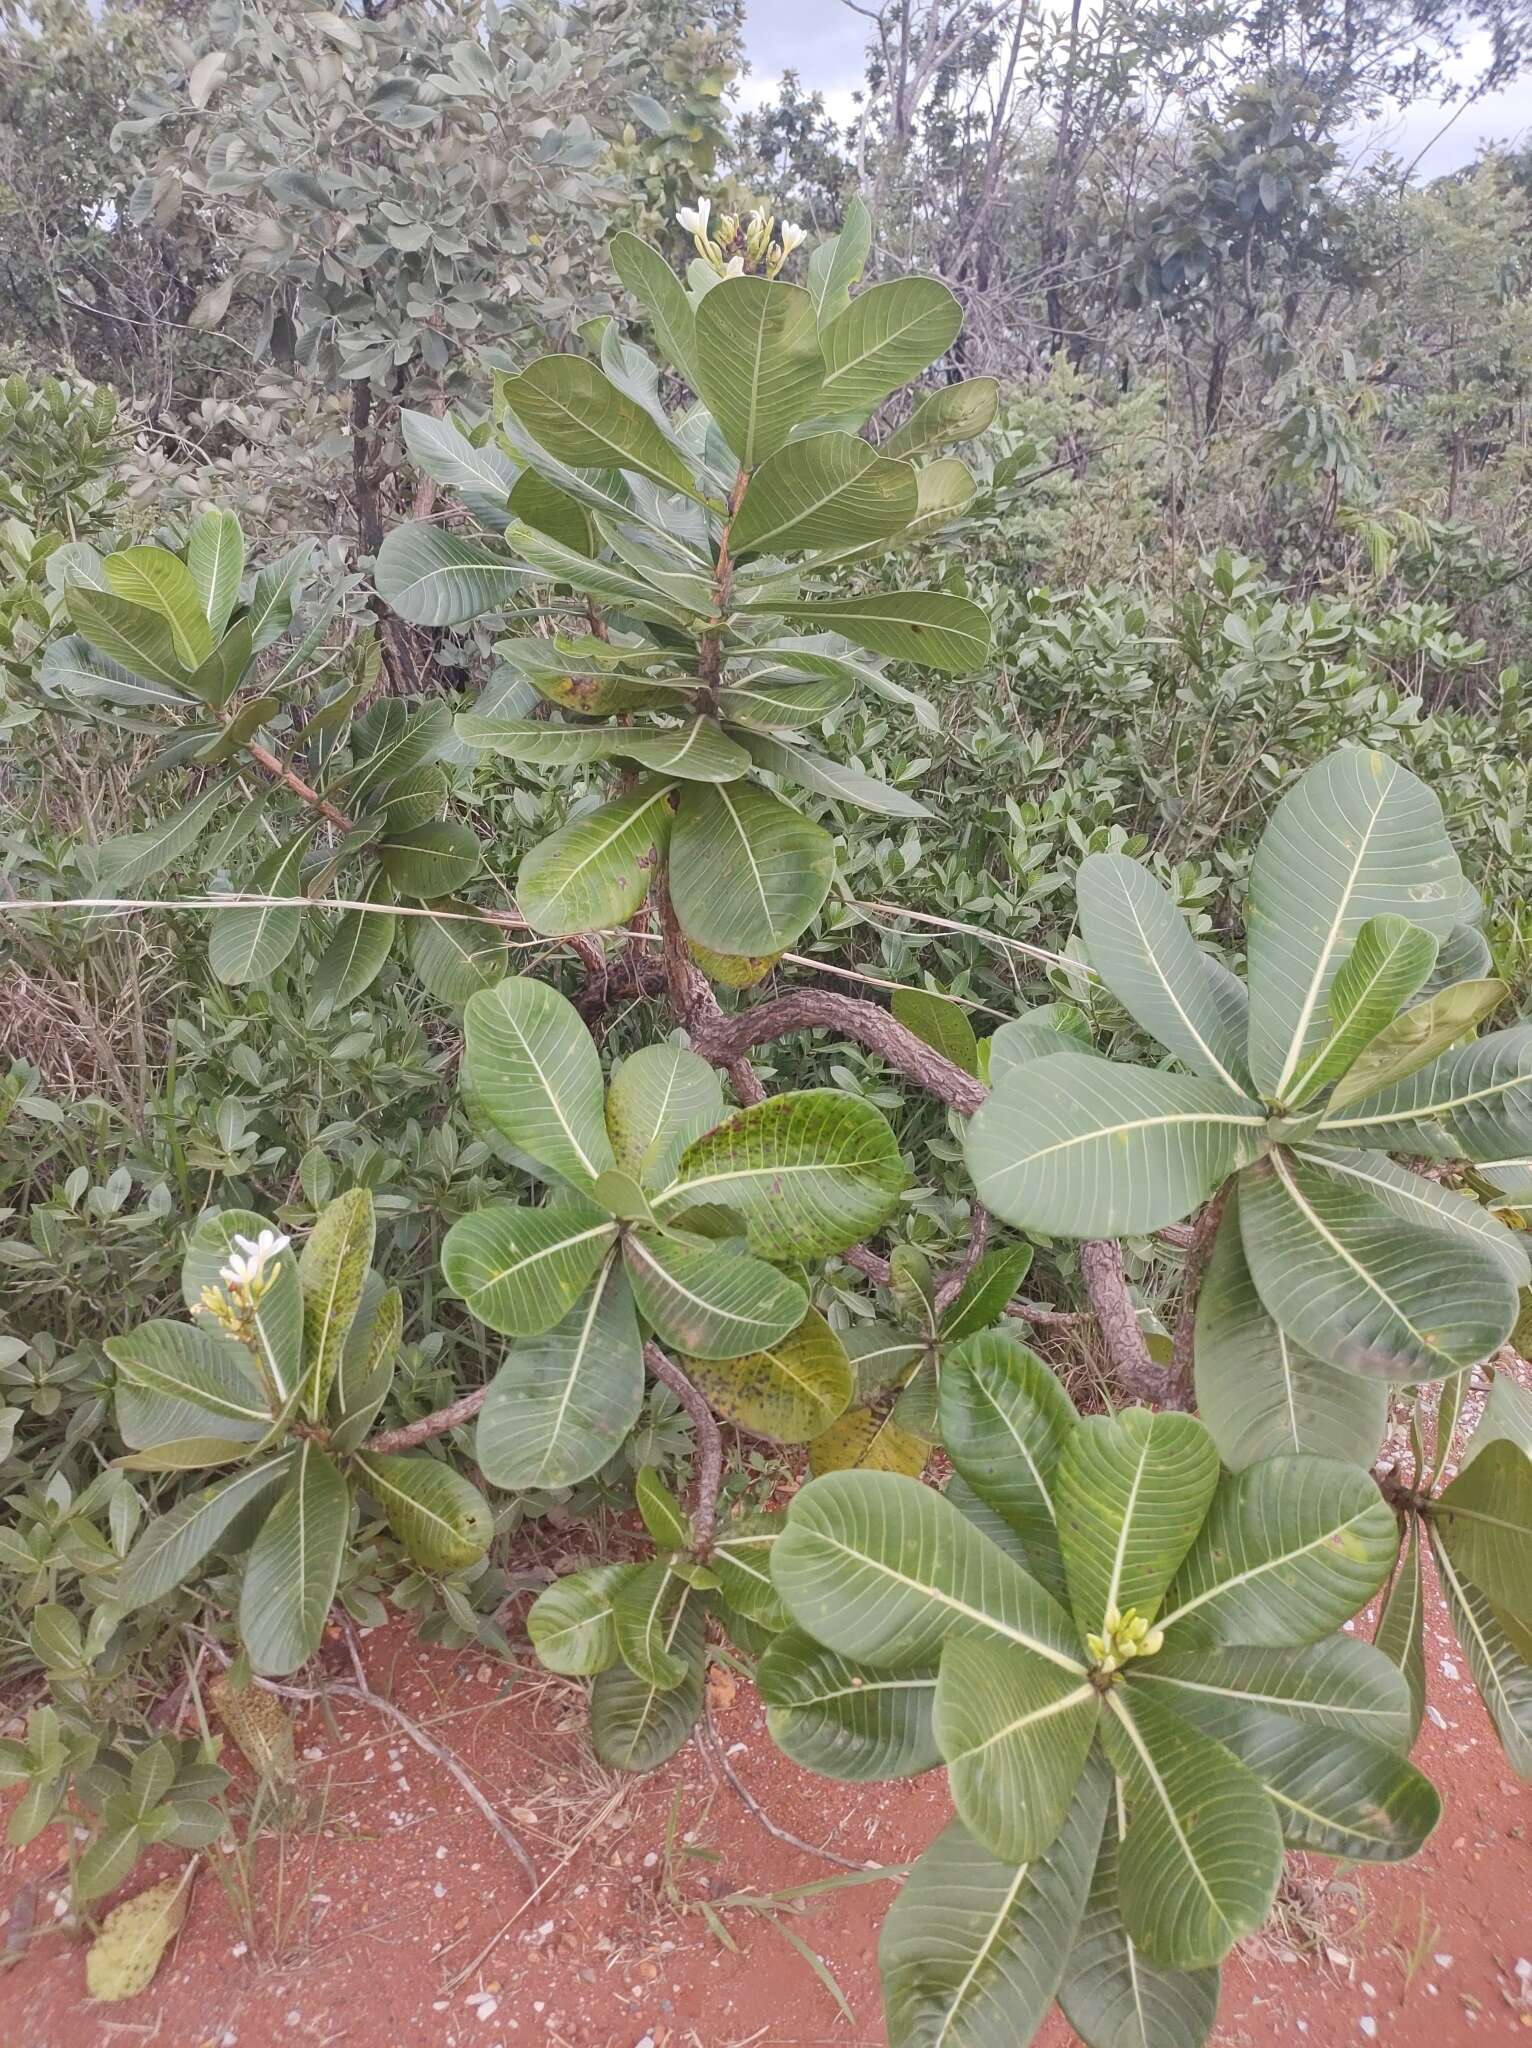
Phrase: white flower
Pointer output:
(791, 235)
(246, 1265)
(735, 267)
(694, 218)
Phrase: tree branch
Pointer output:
(725, 1039)
(709, 1476)
(1106, 1289)
(409, 1434)
(1204, 1234)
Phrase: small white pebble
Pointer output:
(1449, 1669)
(441, 1854)
(438, 1891)
(1442, 1962)
(312, 1755)
(1369, 1990)
(1438, 1719)
(60, 1908)
(240, 1948)
(537, 2005)
(1369, 2026)
(644, 2041)
(650, 1860)
(488, 2007)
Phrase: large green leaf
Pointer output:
(986, 1292)
(215, 562)
(367, 1364)
(1390, 961)
(354, 954)
(1421, 1200)
(1338, 1682)
(1203, 1851)
(1501, 1673)
(1416, 1038)
(431, 578)
(1338, 1791)
(192, 1365)
(1472, 1103)
(251, 942)
(571, 1623)
(789, 1391)
(846, 1720)
(1112, 1995)
(72, 665)
(973, 1948)
(1005, 1420)
(438, 1514)
(582, 418)
(1081, 1147)
(649, 1611)
(660, 1099)
(708, 1303)
(808, 1173)
(1353, 1282)
(1142, 947)
(596, 871)
(532, 1066)
(1401, 1628)
(635, 1725)
(865, 1439)
(158, 581)
(1507, 1418)
(885, 337)
(1130, 1493)
(827, 490)
(278, 1320)
(884, 1570)
(1357, 837)
(1484, 1523)
(838, 262)
(927, 627)
(482, 476)
(951, 414)
(136, 635)
(332, 1269)
(432, 859)
(173, 1545)
(759, 368)
(747, 871)
(294, 1566)
(740, 1560)
(828, 777)
(521, 1270)
(562, 1404)
(456, 954)
(1258, 1392)
(1290, 1549)
(659, 291)
(1015, 1731)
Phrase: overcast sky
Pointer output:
(823, 40)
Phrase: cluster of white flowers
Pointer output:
(247, 1265)
(715, 250)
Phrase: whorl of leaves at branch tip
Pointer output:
(183, 645)
(715, 541)
(663, 1216)
(280, 1408)
(1335, 1271)
(1128, 1662)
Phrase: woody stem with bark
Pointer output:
(1199, 1252)
(709, 1474)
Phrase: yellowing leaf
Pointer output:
(124, 1956)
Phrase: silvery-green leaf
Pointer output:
(657, 288)
(758, 363)
(562, 1404)
(927, 627)
(444, 452)
(1421, 1200)
(706, 1305)
(747, 872)
(1260, 1393)
(1483, 1521)
(1014, 1731)
(1129, 1492)
(885, 336)
(1142, 947)
(431, 578)
(456, 954)
(1338, 1682)
(661, 1098)
(1005, 1420)
(946, 417)
(595, 871)
(1290, 1549)
(1401, 1629)
(827, 490)
(294, 1566)
(522, 1270)
(1391, 960)
(636, 1726)
(1502, 1675)
(1086, 1148)
(1357, 837)
(846, 1720)
(838, 262)
(531, 1064)
(740, 1560)
(580, 417)
(215, 561)
(831, 778)
(1362, 1288)
(571, 1624)
(172, 1546)
(1416, 1038)
(251, 942)
(1203, 1851)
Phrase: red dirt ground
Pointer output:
(392, 1915)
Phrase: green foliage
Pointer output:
(661, 1218)
(708, 537)
(1126, 1769)
(1332, 1259)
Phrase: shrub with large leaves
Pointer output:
(1335, 1270)
(714, 542)
(279, 1378)
(662, 1215)
(1477, 1531)
(184, 645)
(640, 1630)
(1127, 1659)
